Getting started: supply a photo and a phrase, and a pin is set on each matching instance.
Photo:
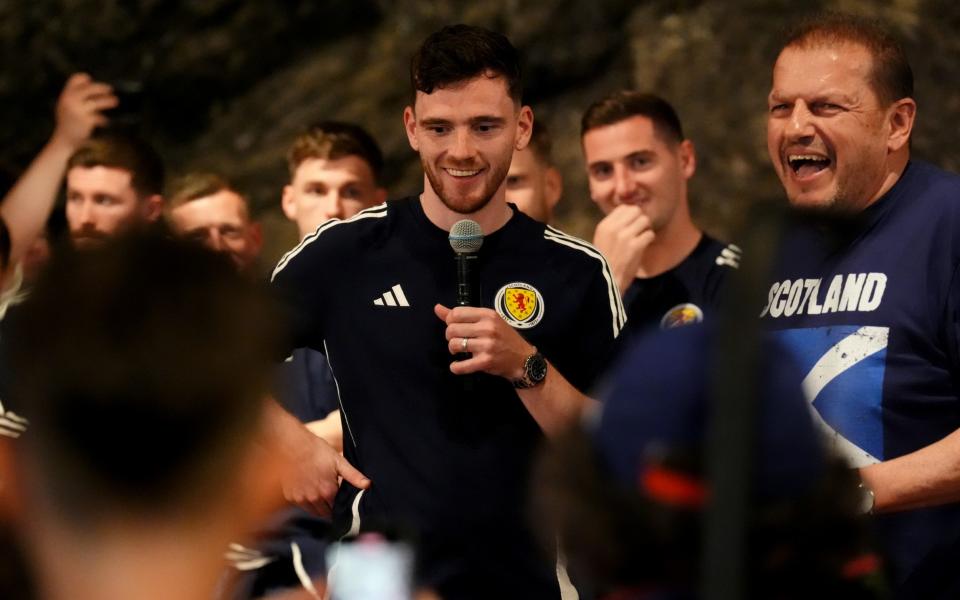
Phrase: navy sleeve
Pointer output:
(300, 280)
(594, 337)
(306, 387)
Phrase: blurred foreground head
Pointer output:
(142, 365)
(628, 498)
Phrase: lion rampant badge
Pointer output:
(520, 305)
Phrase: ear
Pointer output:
(410, 126)
(289, 203)
(379, 195)
(153, 208)
(524, 128)
(688, 159)
(901, 117)
(552, 187)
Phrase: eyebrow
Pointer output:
(472, 120)
(833, 95)
(487, 119)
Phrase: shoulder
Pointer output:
(586, 263)
(715, 253)
(335, 237)
(572, 248)
(929, 186)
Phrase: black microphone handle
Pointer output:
(467, 291)
(467, 295)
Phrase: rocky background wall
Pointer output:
(229, 83)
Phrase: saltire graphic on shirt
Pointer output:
(844, 369)
(520, 305)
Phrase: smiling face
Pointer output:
(827, 133)
(629, 163)
(466, 135)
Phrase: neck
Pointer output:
(146, 564)
(491, 217)
(671, 246)
(896, 165)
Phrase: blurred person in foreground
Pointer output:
(638, 167)
(24, 212)
(145, 394)
(534, 184)
(869, 308)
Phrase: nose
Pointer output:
(214, 241)
(624, 185)
(462, 148)
(333, 205)
(86, 213)
(800, 123)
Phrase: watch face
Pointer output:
(537, 368)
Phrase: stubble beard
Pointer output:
(465, 206)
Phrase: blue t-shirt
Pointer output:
(870, 311)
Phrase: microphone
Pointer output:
(466, 237)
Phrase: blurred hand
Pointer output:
(622, 236)
(496, 348)
(80, 109)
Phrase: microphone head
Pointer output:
(466, 237)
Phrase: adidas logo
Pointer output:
(392, 297)
(730, 256)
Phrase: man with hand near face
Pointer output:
(447, 460)
(870, 306)
(638, 165)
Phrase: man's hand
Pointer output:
(496, 347)
(80, 109)
(622, 236)
(315, 466)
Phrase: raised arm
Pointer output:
(27, 206)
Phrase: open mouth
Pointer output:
(462, 172)
(806, 165)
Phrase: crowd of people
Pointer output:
(173, 427)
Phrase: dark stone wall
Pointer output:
(229, 83)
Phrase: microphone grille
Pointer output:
(466, 237)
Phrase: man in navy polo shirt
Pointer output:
(447, 441)
(871, 308)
